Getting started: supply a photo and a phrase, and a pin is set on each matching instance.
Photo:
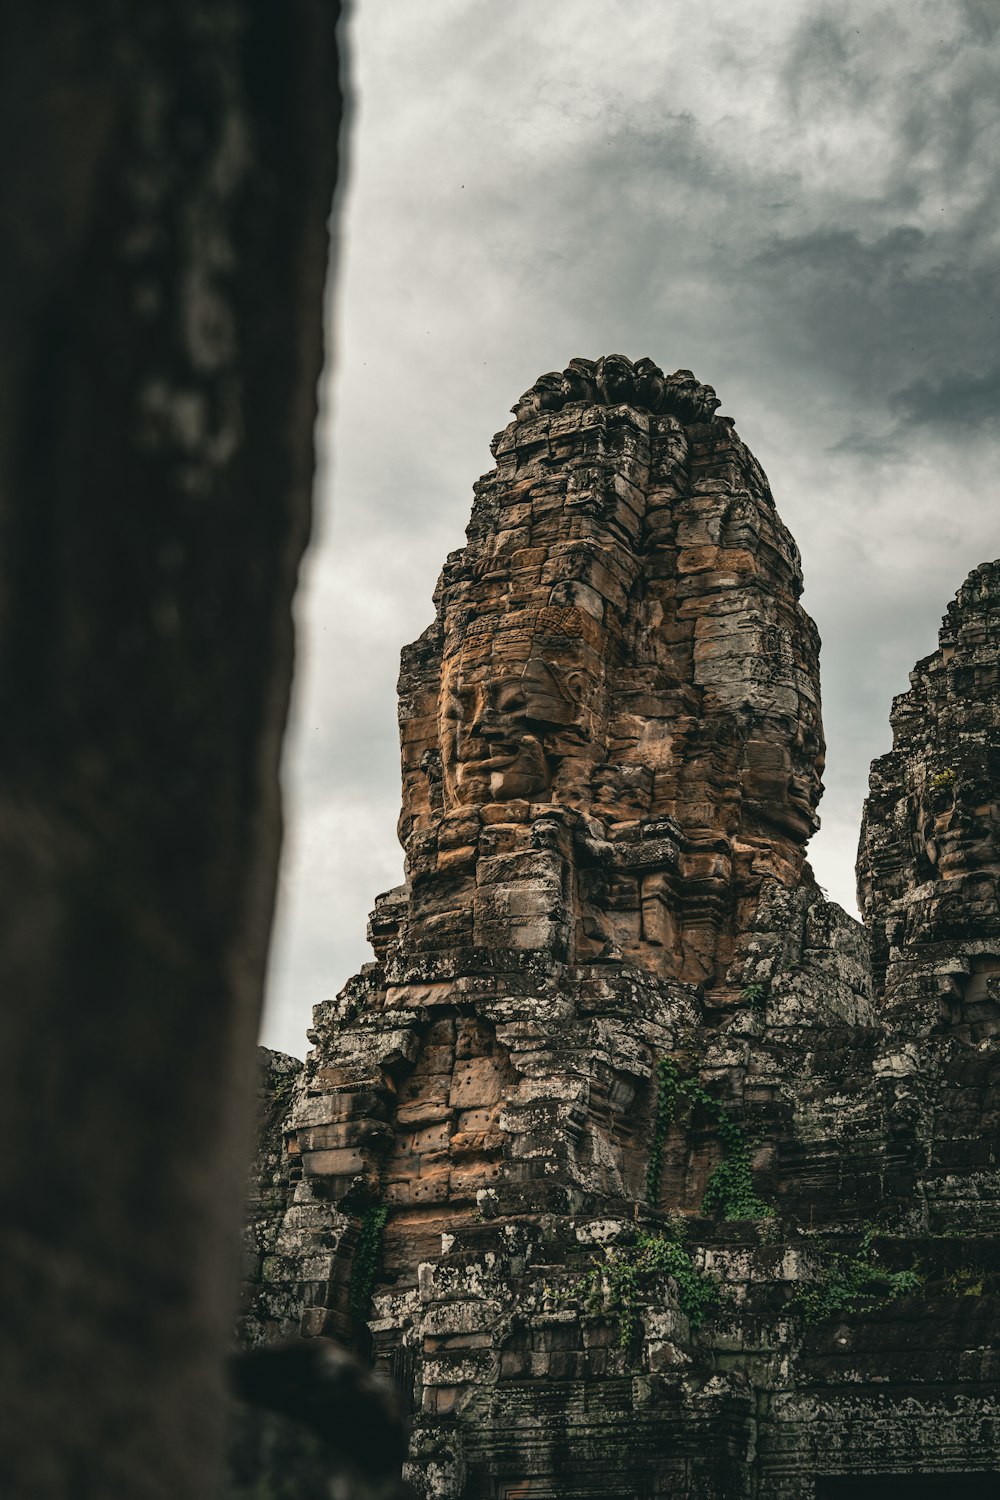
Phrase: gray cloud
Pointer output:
(796, 202)
(877, 310)
(826, 67)
(957, 402)
(982, 19)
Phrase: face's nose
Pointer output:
(487, 722)
(481, 714)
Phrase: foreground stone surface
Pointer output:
(170, 169)
(633, 1170)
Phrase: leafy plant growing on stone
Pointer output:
(667, 1085)
(964, 1283)
(755, 996)
(364, 1267)
(851, 1282)
(730, 1187)
(630, 1270)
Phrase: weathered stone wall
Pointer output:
(263, 1318)
(632, 1180)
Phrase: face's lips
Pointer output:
(484, 760)
(498, 762)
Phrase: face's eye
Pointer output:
(451, 708)
(509, 699)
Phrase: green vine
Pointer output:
(668, 1082)
(851, 1282)
(627, 1269)
(367, 1254)
(755, 995)
(964, 1283)
(623, 1279)
(730, 1187)
(621, 1282)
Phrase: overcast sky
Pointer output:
(798, 201)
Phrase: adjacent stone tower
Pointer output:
(929, 860)
(617, 1072)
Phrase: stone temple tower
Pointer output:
(614, 1093)
(611, 732)
(930, 844)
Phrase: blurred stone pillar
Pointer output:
(169, 172)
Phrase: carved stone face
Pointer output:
(689, 399)
(650, 383)
(804, 784)
(615, 379)
(492, 733)
(958, 820)
(545, 395)
(579, 380)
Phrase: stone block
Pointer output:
(430, 1138)
(542, 868)
(473, 1316)
(430, 1188)
(467, 1181)
(476, 1084)
(335, 1163)
(421, 1112)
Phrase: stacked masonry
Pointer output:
(612, 753)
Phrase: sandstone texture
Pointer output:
(639, 1167)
